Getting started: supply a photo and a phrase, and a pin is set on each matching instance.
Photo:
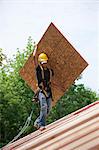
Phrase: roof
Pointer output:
(76, 131)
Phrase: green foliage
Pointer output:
(15, 97)
(2, 57)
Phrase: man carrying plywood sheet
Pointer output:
(44, 93)
(66, 62)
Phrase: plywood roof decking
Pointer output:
(66, 62)
(76, 131)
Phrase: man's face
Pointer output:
(44, 65)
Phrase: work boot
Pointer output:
(36, 125)
(42, 128)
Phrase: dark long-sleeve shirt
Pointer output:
(46, 80)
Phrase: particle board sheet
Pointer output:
(78, 130)
(65, 61)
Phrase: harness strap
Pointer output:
(50, 75)
(42, 72)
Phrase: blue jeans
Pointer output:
(45, 107)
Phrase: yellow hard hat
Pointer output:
(42, 57)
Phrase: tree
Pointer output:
(15, 96)
(2, 57)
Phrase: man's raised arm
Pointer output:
(34, 56)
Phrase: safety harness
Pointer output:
(42, 72)
(35, 98)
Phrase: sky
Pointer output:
(78, 21)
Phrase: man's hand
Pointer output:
(35, 49)
(34, 58)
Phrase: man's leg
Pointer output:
(41, 120)
(49, 105)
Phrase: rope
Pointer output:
(23, 129)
